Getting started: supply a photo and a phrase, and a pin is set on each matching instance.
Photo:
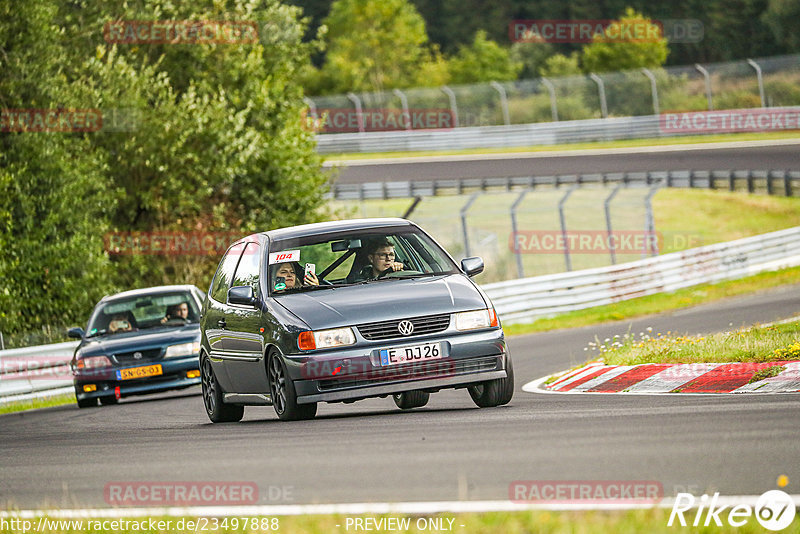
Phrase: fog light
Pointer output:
(88, 388)
(192, 374)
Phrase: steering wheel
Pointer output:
(384, 273)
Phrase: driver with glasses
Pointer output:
(382, 259)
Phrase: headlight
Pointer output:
(87, 365)
(472, 320)
(325, 339)
(184, 349)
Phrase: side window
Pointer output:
(247, 271)
(222, 280)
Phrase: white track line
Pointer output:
(434, 507)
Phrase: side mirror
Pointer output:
(242, 295)
(472, 266)
(76, 332)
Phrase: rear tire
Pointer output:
(494, 392)
(411, 399)
(283, 394)
(85, 403)
(217, 410)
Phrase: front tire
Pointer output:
(217, 410)
(108, 401)
(85, 403)
(411, 399)
(494, 392)
(284, 396)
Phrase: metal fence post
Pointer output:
(653, 89)
(607, 208)
(517, 252)
(562, 220)
(2, 342)
(404, 103)
(707, 76)
(601, 89)
(412, 207)
(553, 103)
(464, 221)
(757, 67)
(357, 101)
(503, 101)
(650, 225)
(453, 105)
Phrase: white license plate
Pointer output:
(412, 353)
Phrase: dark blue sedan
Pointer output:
(138, 342)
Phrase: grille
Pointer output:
(148, 354)
(414, 371)
(429, 324)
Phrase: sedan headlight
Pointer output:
(472, 320)
(326, 339)
(184, 349)
(93, 362)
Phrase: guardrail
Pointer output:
(530, 298)
(783, 182)
(514, 135)
(45, 368)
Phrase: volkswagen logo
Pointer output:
(405, 327)
(137, 355)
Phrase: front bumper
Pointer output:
(469, 358)
(173, 377)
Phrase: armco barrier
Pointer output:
(529, 298)
(515, 135)
(46, 366)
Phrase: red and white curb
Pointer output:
(648, 378)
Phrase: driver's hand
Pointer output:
(311, 279)
(164, 320)
(397, 266)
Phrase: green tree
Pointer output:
(482, 61)
(374, 45)
(559, 65)
(783, 19)
(607, 53)
(53, 198)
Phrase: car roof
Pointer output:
(149, 290)
(335, 226)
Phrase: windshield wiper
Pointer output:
(304, 288)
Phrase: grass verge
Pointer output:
(662, 302)
(758, 344)
(653, 520)
(656, 141)
(33, 404)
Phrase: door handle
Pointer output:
(221, 323)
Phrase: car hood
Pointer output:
(144, 339)
(383, 301)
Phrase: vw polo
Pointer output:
(343, 311)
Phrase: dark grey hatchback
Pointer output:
(343, 311)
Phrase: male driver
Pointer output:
(177, 312)
(381, 257)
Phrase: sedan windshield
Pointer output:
(315, 262)
(144, 311)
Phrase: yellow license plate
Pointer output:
(139, 372)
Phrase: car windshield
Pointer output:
(142, 312)
(359, 257)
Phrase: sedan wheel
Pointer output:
(411, 399)
(284, 396)
(494, 392)
(217, 410)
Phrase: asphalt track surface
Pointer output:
(450, 450)
(479, 166)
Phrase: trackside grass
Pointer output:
(653, 520)
(662, 302)
(21, 406)
(756, 344)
